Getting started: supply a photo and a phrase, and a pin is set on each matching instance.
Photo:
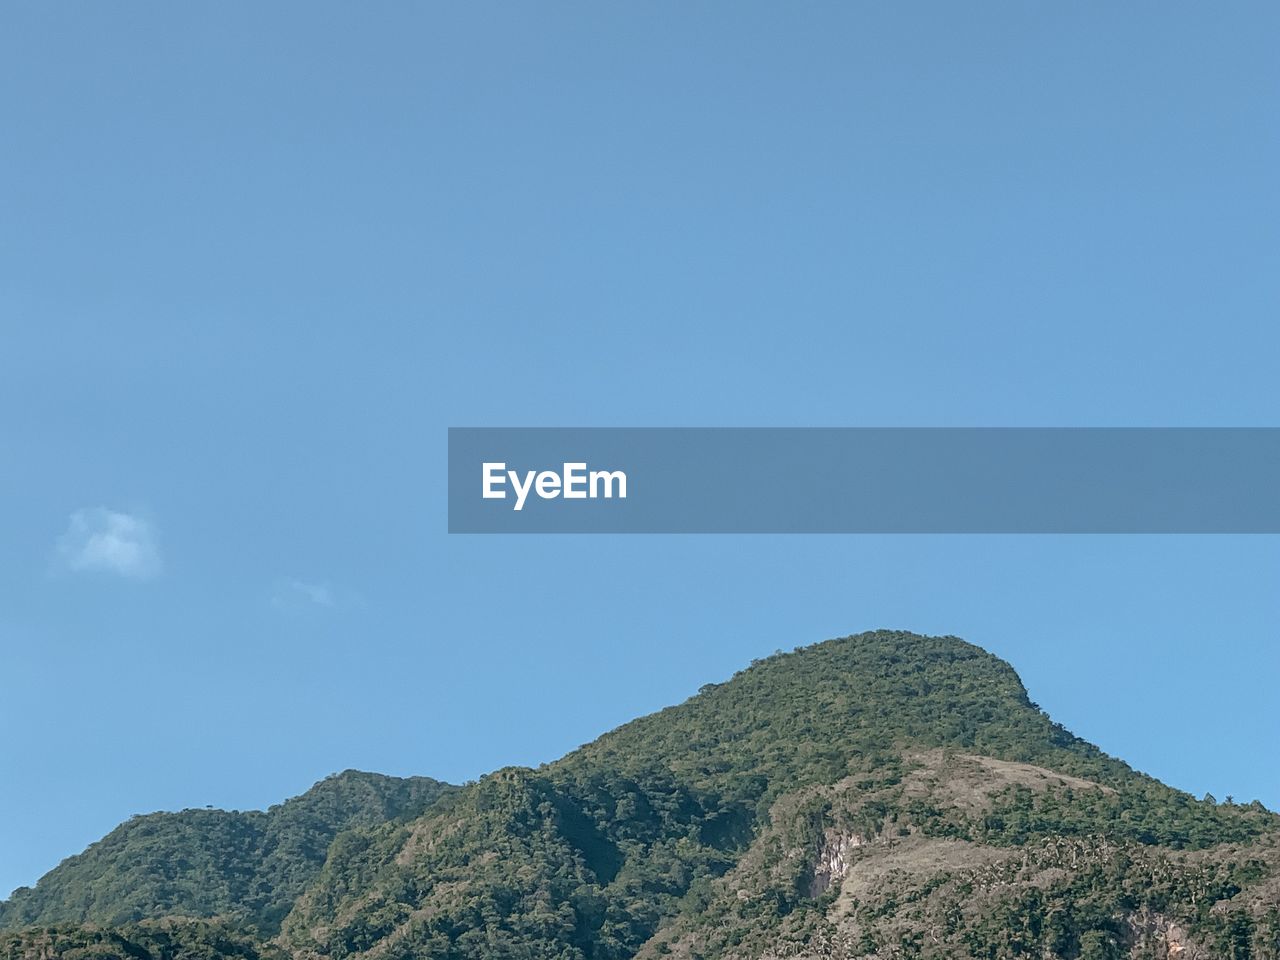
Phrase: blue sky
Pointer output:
(254, 262)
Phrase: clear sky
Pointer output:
(254, 262)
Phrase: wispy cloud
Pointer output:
(294, 594)
(109, 541)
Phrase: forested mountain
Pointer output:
(882, 795)
(247, 867)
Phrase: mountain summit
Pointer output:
(879, 795)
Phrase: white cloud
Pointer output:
(294, 594)
(108, 541)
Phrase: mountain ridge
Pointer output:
(233, 853)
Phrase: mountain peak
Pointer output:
(806, 715)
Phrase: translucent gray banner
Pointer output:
(864, 480)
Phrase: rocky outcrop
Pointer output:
(834, 855)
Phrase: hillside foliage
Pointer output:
(246, 866)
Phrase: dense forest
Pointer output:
(880, 795)
(248, 867)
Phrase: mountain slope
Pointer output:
(247, 866)
(966, 856)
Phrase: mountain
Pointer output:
(247, 867)
(880, 795)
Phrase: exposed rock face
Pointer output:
(1157, 936)
(834, 856)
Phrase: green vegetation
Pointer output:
(879, 795)
(167, 939)
(249, 867)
